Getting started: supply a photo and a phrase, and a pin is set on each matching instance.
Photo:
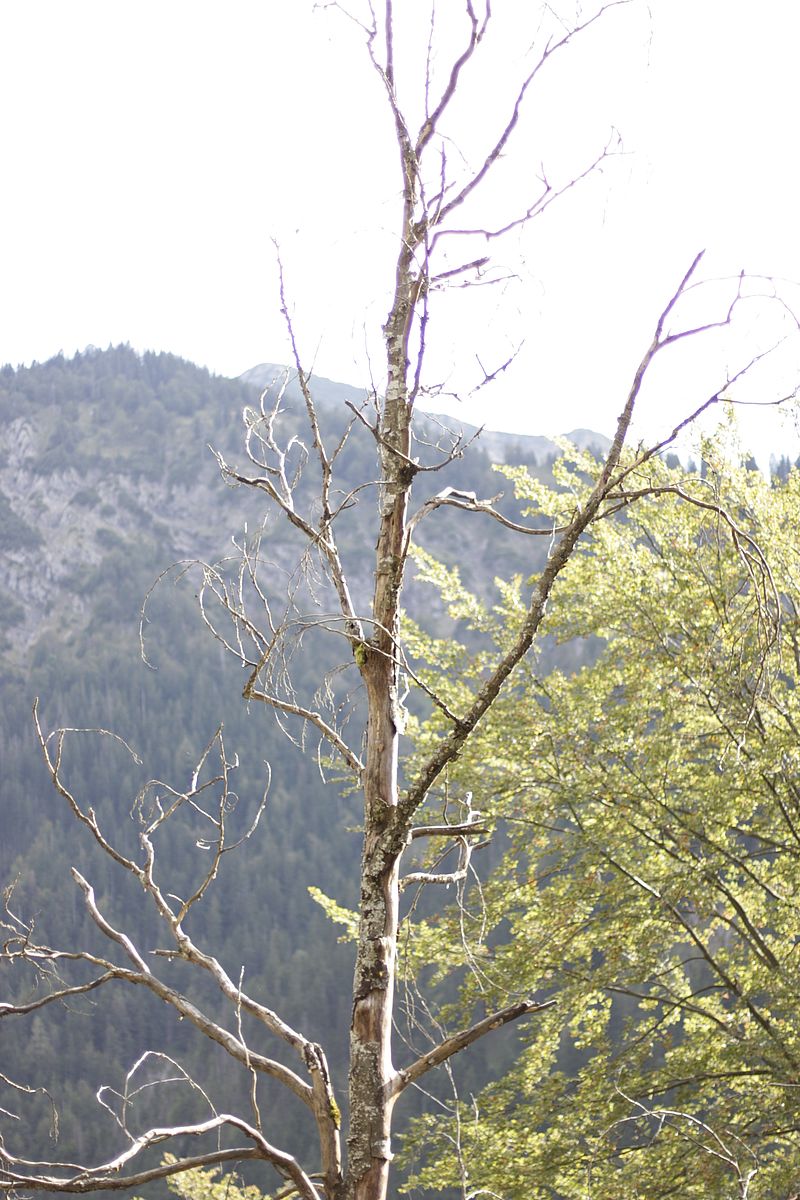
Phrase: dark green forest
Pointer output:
(106, 479)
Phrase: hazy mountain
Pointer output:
(110, 451)
(106, 479)
(499, 447)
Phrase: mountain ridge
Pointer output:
(110, 450)
(497, 443)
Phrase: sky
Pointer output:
(156, 151)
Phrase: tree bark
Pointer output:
(371, 1069)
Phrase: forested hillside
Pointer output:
(106, 479)
(637, 781)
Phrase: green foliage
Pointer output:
(214, 1184)
(337, 913)
(652, 877)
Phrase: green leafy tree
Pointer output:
(651, 881)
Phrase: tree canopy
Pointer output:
(651, 878)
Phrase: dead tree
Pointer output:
(439, 196)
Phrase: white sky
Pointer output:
(153, 149)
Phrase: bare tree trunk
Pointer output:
(371, 1068)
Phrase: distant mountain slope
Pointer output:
(106, 479)
(499, 447)
(110, 451)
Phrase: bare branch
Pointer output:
(80, 1184)
(454, 272)
(29, 1091)
(298, 710)
(456, 451)
(469, 827)
(716, 398)
(105, 927)
(8, 1009)
(107, 1175)
(559, 556)
(497, 149)
(470, 503)
(466, 1037)
(477, 30)
(211, 1029)
(547, 196)
(53, 764)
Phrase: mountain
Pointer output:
(106, 474)
(106, 481)
(499, 447)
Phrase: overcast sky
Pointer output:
(152, 150)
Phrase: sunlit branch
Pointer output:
(466, 1037)
(468, 827)
(106, 927)
(466, 848)
(82, 1183)
(107, 1175)
(470, 503)
(559, 557)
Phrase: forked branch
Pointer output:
(560, 555)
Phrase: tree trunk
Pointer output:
(371, 1068)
